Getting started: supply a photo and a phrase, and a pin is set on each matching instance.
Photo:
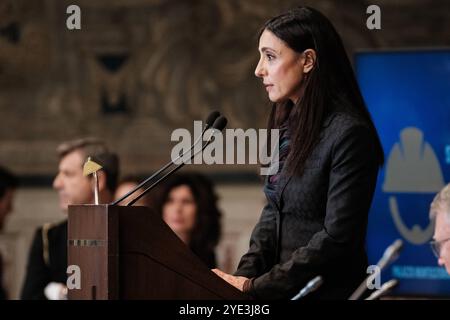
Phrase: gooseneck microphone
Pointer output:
(210, 120)
(385, 288)
(390, 254)
(217, 126)
(311, 286)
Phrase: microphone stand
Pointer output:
(178, 167)
(311, 286)
(385, 288)
(390, 254)
(213, 116)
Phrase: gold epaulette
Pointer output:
(45, 250)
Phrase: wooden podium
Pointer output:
(130, 253)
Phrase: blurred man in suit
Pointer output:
(440, 211)
(8, 184)
(47, 263)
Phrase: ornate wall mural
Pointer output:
(136, 71)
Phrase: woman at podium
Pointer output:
(315, 220)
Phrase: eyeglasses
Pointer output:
(436, 246)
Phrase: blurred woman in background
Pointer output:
(188, 204)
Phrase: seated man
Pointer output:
(440, 210)
(8, 183)
(47, 263)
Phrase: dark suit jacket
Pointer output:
(3, 295)
(318, 225)
(46, 265)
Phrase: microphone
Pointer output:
(390, 254)
(217, 126)
(212, 117)
(311, 286)
(385, 288)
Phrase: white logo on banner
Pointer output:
(412, 167)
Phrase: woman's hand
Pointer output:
(237, 282)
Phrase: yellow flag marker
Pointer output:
(91, 167)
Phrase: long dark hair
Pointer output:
(330, 86)
(207, 229)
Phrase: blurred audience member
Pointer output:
(8, 184)
(188, 204)
(440, 211)
(127, 184)
(47, 263)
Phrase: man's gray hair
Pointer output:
(441, 203)
(98, 151)
(89, 146)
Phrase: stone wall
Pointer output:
(139, 69)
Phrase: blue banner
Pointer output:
(408, 96)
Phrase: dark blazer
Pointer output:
(318, 225)
(3, 295)
(47, 261)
